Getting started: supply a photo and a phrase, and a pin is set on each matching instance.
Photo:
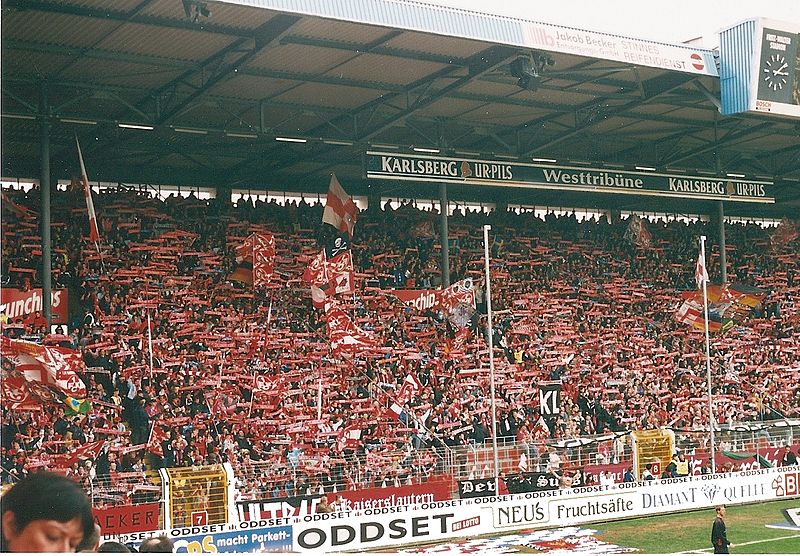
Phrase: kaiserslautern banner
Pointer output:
(394, 166)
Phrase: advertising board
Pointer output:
(442, 169)
(128, 519)
(384, 525)
(16, 303)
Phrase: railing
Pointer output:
(298, 473)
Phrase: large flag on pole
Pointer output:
(94, 232)
(340, 210)
(700, 273)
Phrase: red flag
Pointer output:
(263, 258)
(157, 436)
(344, 335)
(45, 365)
(340, 273)
(316, 272)
(329, 276)
(348, 437)
(340, 210)
(17, 395)
(700, 274)
(410, 387)
(255, 259)
(94, 233)
(88, 451)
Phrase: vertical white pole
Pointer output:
(319, 395)
(708, 358)
(486, 229)
(150, 340)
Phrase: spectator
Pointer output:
(45, 512)
(157, 544)
(113, 546)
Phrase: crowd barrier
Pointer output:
(406, 524)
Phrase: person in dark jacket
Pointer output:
(719, 533)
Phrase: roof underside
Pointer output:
(218, 91)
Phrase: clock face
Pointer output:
(775, 72)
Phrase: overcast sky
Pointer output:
(669, 21)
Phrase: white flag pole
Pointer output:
(150, 340)
(708, 354)
(486, 229)
(319, 394)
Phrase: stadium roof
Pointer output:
(219, 82)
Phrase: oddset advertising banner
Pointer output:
(394, 526)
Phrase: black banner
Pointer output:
(397, 166)
(531, 482)
(474, 488)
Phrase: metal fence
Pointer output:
(297, 473)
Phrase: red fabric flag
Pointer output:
(411, 386)
(345, 336)
(88, 451)
(94, 233)
(348, 437)
(329, 276)
(340, 273)
(157, 437)
(17, 395)
(340, 210)
(263, 258)
(255, 259)
(45, 365)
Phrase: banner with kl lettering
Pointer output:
(550, 398)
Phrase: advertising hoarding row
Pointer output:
(398, 525)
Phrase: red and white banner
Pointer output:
(45, 365)
(118, 520)
(340, 210)
(88, 451)
(16, 303)
(17, 395)
(340, 273)
(348, 438)
(391, 497)
(446, 300)
(345, 336)
(263, 258)
(255, 259)
(94, 233)
(411, 386)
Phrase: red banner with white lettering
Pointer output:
(16, 303)
(390, 497)
(119, 520)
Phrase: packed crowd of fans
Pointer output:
(238, 374)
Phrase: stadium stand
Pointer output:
(236, 372)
